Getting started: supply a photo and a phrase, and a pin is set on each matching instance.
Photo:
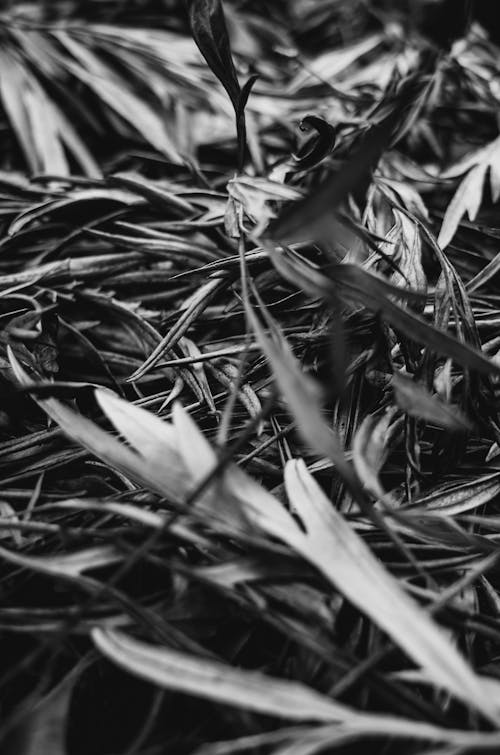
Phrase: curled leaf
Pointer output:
(310, 155)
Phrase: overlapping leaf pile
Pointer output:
(249, 372)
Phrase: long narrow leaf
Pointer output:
(209, 679)
(345, 559)
(209, 30)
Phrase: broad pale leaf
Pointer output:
(468, 196)
(344, 558)
(218, 682)
(467, 199)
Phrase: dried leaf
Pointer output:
(451, 500)
(216, 681)
(304, 399)
(417, 402)
(467, 198)
(71, 565)
(370, 449)
(344, 558)
(313, 218)
(309, 156)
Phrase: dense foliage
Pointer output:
(250, 338)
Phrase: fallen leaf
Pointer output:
(417, 402)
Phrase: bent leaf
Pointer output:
(344, 558)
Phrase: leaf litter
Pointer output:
(249, 368)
